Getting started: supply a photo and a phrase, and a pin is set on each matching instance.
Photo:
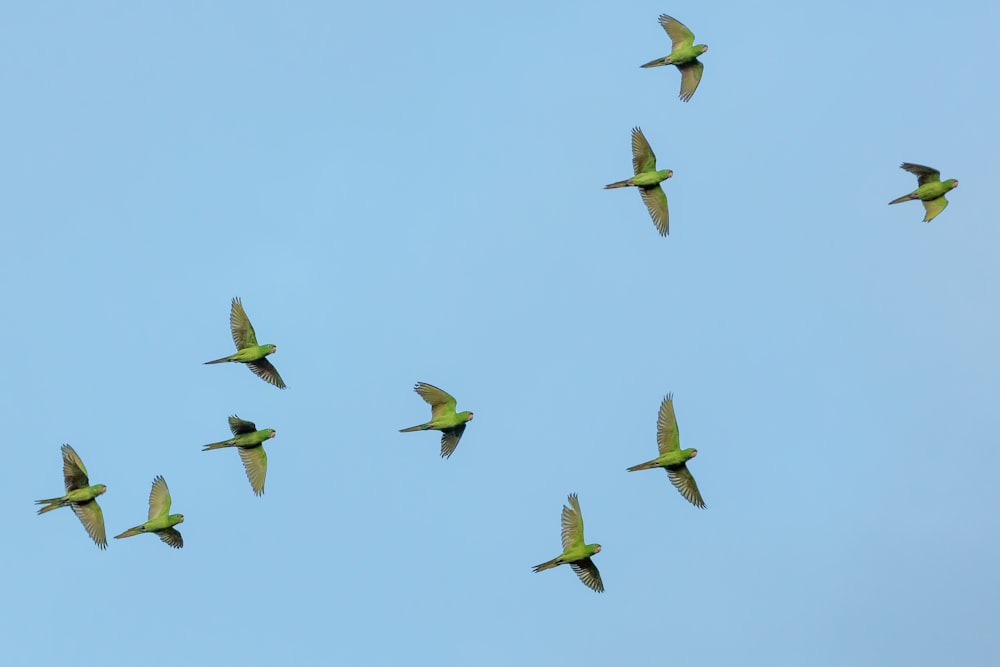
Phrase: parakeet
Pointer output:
(443, 417)
(672, 457)
(575, 551)
(250, 442)
(81, 496)
(247, 350)
(930, 189)
(161, 521)
(684, 54)
(648, 180)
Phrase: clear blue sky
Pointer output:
(404, 192)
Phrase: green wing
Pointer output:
(572, 524)
(450, 438)
(239, 324)
(655, 200)
(263, 369)
(588, 573)
(74, 472)
(255, 463)
(643, 158)
(683, 481)
(924, 174)
(239, 427)
(159, 498)
(92, 518)
(442, 403)
(172, 537)
(667, 438)
(679, 34)
(690, 78)
(933, 207)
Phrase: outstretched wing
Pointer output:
(239, 324)
(74, 472)
(263, 369)
(683, 481)
(255, 463)
(667, 438)
(678, 32)
(655, 200)
(690, 78)
(239, 426)
(159, 498)
(572, 524)
(933, 207)
(172, 537)
(92, 518)
(442, 403)
(450, 438)
(588, 573)
(924, 174)
(643, 158)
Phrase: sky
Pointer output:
(403, 193)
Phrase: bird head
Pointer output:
(469, 418)
(597, 548)
(101, 488)
(274, 348)
(180, 518)
(694, 453)
(670, 173)
(704, 47)
(272, 433)
(952, 184)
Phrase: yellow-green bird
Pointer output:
(247, 350)
(250, 442)
(443, 417)
(930, 189)
(647, 178)
(672, 457)
(576, 552)
(81, 496)
(683, 54)
(160, 521)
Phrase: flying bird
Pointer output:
(683, 54)
(575, 550)
(930, 189)
(161, 521)
(247, 350)
(81, 496)
(672, 457)
(443, 417)
(648, 180)
(250, 442)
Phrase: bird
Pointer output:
(648, 180)
(250, 442)
(247, 350)
(683, 54)
(443, 417)
(161, 521)
(930, 189)
(672, 457)
(81, 496)
(575, 551)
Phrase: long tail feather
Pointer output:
(548, 565)
(130, 532)
(619, 184)
(219, 361)
(218, 445)
(50, 504)
(900, 200)
(656, 63)
(418, 427)
(643, 466)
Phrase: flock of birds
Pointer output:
(81, 496)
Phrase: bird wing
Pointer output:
(450, 438)
(643, 158)
(159, 498)
(924, 174)
(92, 518)
(588, 573)
(442, 403)
(239, 426)
(655, 200)
(678, 32)
(255, 463)
(933, 207)
(172, 537)
(690, 78)
(683, 481)
(667, 438)
(572, 524)
(74, 472)
(266, 371)
(239, 324)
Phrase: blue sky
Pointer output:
(402, 193)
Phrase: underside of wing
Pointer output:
(239, 325)
(159, 498)
(678, 32)
(589, 574)
(255, 463)
(933, 207)
(643, 158)
(572, 524)
(74, 472)
(655, 200)
(924, 174)
(92, 518)
(450, 438)
(172, 537)
(239, 426)
(266, 371)
(690, 78)
(683, 481)
(441, 402)
(667, 437)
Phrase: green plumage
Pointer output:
(576, 552)
(647, 178)
(683, 54)
(250, 441)
(247, 350)
(672, 457)
(930, 189)
(160, 521)
(81, 496)
(443, 417)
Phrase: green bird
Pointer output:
(575, 550)
(161, 521)
(930, 189)
(443, 417)
(672, 457)
(247, 350)
(81, 496)
(251, 447)
(648, 180)
(683, 54)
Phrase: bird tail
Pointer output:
(619, 184)
(218, 445)
(219, 361)
(131, 531)
(548, 565)
(656, 63)
(50, 504)
(643, 466)
(418, 427)
(900, 200)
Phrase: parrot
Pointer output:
(251, 447)
(930, 189)
(648, 180)
(683, 54)
(575, 551)
(443, 417)
(81, 496)
(247, 350)
(672, 457)
(160, 522)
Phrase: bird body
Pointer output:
(683, 54)
(248, 351)
(444, 418)
(249, 439)
(930, 190)
(648, 178)
(247, 354)
(81, 495)
(672, 458)
(160, 521)
(576, 552)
